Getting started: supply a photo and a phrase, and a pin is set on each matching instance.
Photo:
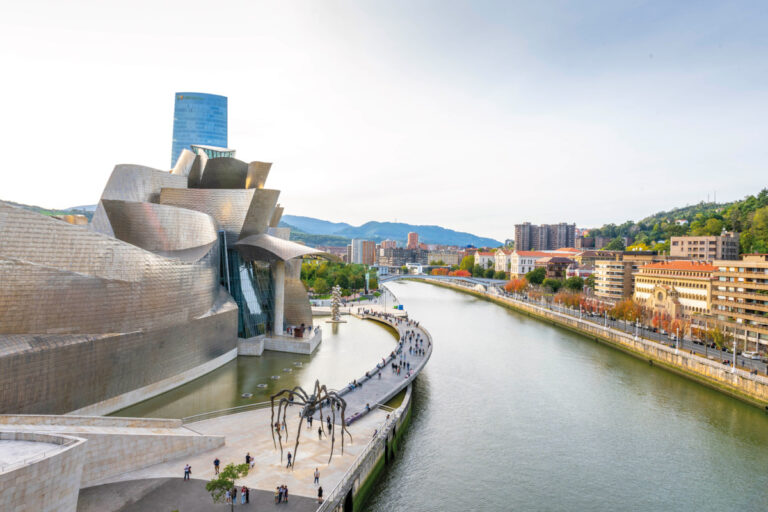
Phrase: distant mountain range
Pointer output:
(316, 232)
(310, 230)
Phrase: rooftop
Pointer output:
(694, 266)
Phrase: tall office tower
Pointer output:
(413, 240)
(200, 119)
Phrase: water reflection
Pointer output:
(348, 350)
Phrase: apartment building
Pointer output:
(544, 237)
(362, 251)
(615, 278)
(706, 248)
(399, 256)
(740, 297)
(447, 257)
(677, 288)
(502, 260)
(485, 259)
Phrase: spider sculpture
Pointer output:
(309, 405)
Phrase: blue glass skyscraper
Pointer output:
(198, 118)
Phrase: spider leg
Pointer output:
(296, 448)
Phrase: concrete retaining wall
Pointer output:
(356, 486)
(740, 384)
(48, 484)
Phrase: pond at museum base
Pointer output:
(514, 414)
(347, 351)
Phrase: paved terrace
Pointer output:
(249, 432)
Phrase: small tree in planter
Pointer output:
(225, 481)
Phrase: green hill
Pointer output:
(748, 217)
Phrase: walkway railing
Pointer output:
(224, 412)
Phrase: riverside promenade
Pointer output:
(248, 430)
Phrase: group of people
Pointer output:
(230, 497)
(281, 494)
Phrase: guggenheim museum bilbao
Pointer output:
(173, 270)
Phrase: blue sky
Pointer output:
(471, 115)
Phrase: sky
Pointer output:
(472, 115)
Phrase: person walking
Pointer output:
(228, 498)
(317, 476)
(247, 495)
(285, 493)
(248, 458)
(320, 494)
(216, 463)
(242, 496)
(328, 419)
(289, 460)
(320, 433)
(187, 471)
(234, 495)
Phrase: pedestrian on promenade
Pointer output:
(242, 496)
(216, 463)
(187, 471)
(285, 493)
(228, 498)
(320, 494)
(234, 495)
(328, 420)
(320, 433)
(289, 460)
(247, 493)
(248, 458)
(317, 476)
(278, 495)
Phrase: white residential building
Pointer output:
(502, 260)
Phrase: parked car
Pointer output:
(751, 355)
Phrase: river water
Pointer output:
(514, 414)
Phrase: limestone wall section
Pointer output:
(48, 484)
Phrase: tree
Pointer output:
(437, 263)
(552, 284)
(713, 227)
(225, 481)
(516, 285)
(460, 273)
(478, 271)
(537, 275)
(321, 286)
(638, 246)
(499, 275)
(590, 281)
(574, 283)
(467, 262)
(439, 271)
(489, 273)
(617, 244)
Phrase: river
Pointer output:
(514, 414)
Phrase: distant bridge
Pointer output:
(456, 279)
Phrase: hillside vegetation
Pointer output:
(749, 217)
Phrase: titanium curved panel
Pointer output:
(224, 172)
(133, 183)
(60, 278)
(158, 227)
(297, 308)
(276, 216)
(257, 174)
(260, 212)
(184, 163)
(195, 172)
(228, 208)
(270, 248)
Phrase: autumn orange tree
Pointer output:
(627, 310)
(568, 298)
(439, 271)
(460, 273)
(516, 285)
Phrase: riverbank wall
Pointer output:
(749, 388)
(356, 486)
